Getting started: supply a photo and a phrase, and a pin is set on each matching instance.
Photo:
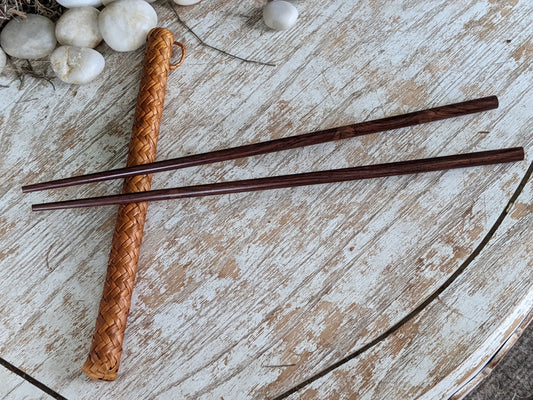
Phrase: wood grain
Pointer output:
(14, 387)
(247, 295)
(461, 310)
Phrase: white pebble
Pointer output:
(30, 38)
(186, 2)
(106, 2)
(280, 15)
(3, 59)
(76, 64)
(80, 3)
(124, 24)
(79, 27)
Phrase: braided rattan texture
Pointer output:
(104, 357)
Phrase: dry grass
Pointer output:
(19, 8)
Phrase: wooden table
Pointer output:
(394, 288)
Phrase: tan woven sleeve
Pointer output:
(104, 356)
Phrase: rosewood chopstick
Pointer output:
(309, 178)
(291, 142)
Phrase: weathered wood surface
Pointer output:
(15, 387)
(249, 295)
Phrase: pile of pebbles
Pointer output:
(122, 24)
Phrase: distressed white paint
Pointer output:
(14, 387)
(231, 287)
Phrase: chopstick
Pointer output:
(309, 178)
(291, 142)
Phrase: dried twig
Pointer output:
(19, 8)
(27, 70)
(216, 48)
(18, 72)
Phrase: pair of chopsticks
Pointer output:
(284, 181)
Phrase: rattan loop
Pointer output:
(183, 51)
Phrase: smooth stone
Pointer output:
(30, 38)
(80, 3)
(186, 2)
(280, 15)
(3, 60)
(106, 2)
(124, 24)
(79, 27)
(76, 64)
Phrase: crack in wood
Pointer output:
(31, 379)
(173, 7)
(435, 295)
(368, 346)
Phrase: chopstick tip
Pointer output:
(31, 188)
